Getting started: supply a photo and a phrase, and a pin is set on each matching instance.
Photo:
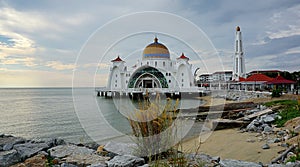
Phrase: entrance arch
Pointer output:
(148, 77)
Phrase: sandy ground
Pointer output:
(232, 144)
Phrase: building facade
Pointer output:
(154, 72)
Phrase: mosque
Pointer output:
(154, 73)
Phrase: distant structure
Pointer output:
(155, 73)
(239, 70)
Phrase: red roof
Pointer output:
(280, 80)
(117, 59)
(258, 77)
(183, 57)
(242, 79)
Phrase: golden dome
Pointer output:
(156, 50)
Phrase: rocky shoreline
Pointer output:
(19, 152)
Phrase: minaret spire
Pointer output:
(239, 60)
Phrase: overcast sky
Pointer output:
(41, 40)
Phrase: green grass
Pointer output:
(289, 109)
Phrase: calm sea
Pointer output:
(50, 112)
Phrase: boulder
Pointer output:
(237, 163)
(268, 129)
(125, 161)
(77, 155)
(8, 146)
(85, 159)
(121, 148)
(8, 158)
(27, 150)
(62, 151)
(268, 119)
(38, 160)
(265, 146)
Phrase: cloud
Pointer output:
(26, 61)
(59, 65)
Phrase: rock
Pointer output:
(62, 151)
(237, 163)
(281, 133)
(10, 139)
(97, 165)
(268, 119)
(265, 146)
(277, 140)
(8, 158)
(38, 160)
(8, 146)
(27, 150)
(284, 145)
(145, 165)
(85, 159)
(297, 129)
(125, 161)
(81, 156)
(1, 135)
(67, 165)
(268, 129)
(251, 126)
(120, 148)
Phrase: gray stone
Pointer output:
(62, 151)
(237, 163)
(280, 133)
(284, 145)
(67, 165)
(52, 142)
(251, 127)
(125, 161)
(265, 146)
(121, 148)
(10, 139)
(27, 150)
(8, 158)
(268, 129)
(1, 135)
(97, 165)
(268, 119)
(81, 156)
(277, 140)
(8, 146)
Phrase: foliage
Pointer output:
(151, 124)
(289, 110)
(276, 93)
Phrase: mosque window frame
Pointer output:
(155, 63)
(164, 64)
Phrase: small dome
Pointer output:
(156, 50)
(238, 28)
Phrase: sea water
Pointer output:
(51, 113)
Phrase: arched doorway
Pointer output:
(148, 77)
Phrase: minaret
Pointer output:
(239, 60)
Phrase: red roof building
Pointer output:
(258, 78)
(280, 80)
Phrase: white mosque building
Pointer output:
(155, 73)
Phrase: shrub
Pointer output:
(276, 93)
(151, 125)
